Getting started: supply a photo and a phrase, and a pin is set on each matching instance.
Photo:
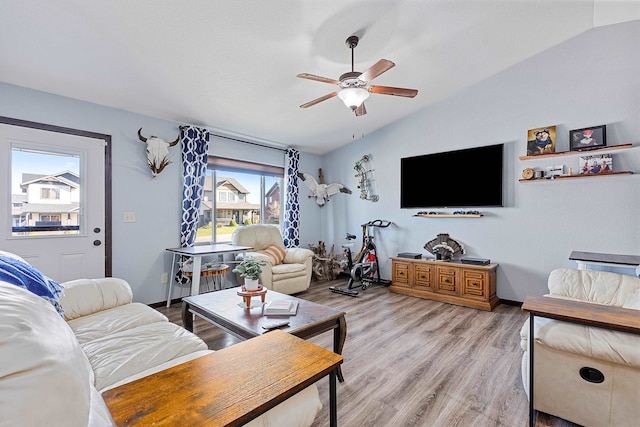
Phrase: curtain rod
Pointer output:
(248, 142)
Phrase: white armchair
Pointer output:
(288, 270)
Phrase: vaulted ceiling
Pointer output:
(231, 66)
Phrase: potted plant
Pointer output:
(249, 268)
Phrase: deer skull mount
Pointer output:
(157, 152)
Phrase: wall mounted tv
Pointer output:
(470, 178)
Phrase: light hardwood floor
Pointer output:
(415, 362)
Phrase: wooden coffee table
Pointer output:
(221, 309)
(226, 387)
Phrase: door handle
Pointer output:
(97, 243)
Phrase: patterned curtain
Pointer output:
(195, 149)
(291, 226)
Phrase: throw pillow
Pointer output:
(21, 274)
(275, 252)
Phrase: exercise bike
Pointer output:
(365, 271)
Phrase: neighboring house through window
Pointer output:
(44, 203)
(245, 193)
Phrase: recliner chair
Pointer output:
(288, 270)
(563, 350)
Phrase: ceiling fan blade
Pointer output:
(376, 69)
(317, 78)
(322, 98)
(361, 110)
(397, 91)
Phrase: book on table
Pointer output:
(281, 308)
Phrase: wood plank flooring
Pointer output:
(415, 362)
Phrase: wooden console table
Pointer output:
(451, 282)
(229, 387)
(585, 313)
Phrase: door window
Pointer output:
(45, 192)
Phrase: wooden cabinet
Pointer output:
(463, 284)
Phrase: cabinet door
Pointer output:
(400, 274)
(446, 281)
(423, 279)
(474, 284)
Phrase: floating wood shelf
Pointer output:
(575, 152)
(448, 215)
(585, 175)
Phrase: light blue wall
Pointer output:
(138, 248)
(590, 80)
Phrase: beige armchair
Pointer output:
(586, 374)
(288, 270)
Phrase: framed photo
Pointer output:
(541, 141)
(588, 138)
(602, 163)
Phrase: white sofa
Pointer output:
(288, 270)
(563, 349)
(54, 370)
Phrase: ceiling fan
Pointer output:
(354, 85)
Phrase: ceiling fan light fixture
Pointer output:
(353, 97)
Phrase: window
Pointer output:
(43, 184)
(50, 193)
(246, 193)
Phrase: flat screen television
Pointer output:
(469, 178)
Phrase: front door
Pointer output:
(52, 209)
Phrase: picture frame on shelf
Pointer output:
(541, 141)
(588, 138)
(601, 163)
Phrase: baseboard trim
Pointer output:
(510, 302)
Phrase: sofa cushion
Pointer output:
(275, 252)
(22, 274)
(125, 353)
(158, 368)
(289, 270)
(633, 301)
(602, 287)
(108, 322)
(598, 343)
(85, 296)
(44, 375)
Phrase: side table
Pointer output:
(211, 390)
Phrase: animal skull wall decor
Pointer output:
(157, 152)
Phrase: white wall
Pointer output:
(590, 80)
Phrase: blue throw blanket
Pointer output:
(25, 276)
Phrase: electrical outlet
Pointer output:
(129, 217)
(164, 279)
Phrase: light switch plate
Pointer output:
(129, 217)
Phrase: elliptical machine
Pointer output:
(365, 271)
